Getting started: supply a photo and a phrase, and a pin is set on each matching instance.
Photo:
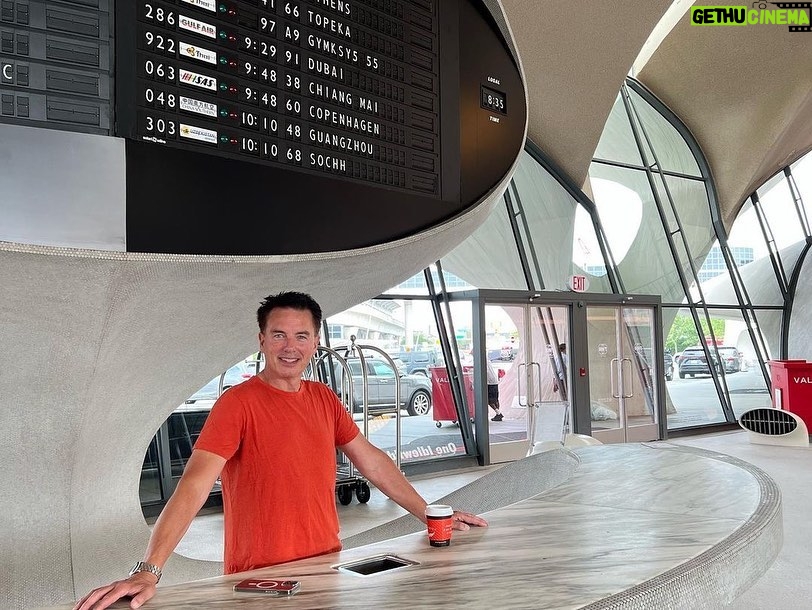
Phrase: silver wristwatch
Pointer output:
(143, 566)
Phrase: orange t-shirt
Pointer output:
(279, 478)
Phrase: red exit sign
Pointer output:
(578, 283)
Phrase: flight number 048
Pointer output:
(159, 98)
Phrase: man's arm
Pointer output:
(193, 488)
(379, 468)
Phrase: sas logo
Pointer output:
(196, 52)
(795, 15)
(208, 5)
(198, 133)
(186, 77)
(197, 27)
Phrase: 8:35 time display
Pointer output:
(493, 100)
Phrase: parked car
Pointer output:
(668, 361)
(418, 363)
(668, 365)
(694, 362)
(415, 390)
(731, 358)
(400, 366)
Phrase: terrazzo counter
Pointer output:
(616, 526)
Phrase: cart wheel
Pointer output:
(362, 492)
(439, 424)
(344, 493)
(472, 420)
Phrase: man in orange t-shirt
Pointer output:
(266, 438)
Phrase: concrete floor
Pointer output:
(785, 586)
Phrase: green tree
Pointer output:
(683, 332)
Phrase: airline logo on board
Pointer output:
(207, 5)
(197, 27)
(198, 133)
(192, 105)
(196, 52)
(197, 80)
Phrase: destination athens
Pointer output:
(346, 121)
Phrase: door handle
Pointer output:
(629, 360)
(537, 397)
(612, 364)
(519, 383)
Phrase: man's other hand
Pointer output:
(140, 587)
(463, 521)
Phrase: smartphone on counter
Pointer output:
(267, 586)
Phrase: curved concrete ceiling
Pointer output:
(575, 55)
(746, 95)
(744, 92)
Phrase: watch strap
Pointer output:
(143, 566)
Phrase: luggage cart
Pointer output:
(324, 367)
(355, 350)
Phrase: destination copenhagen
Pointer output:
(342, 120)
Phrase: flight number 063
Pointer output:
(159, 71)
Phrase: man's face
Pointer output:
(288, 342)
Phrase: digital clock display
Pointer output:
(493, 100)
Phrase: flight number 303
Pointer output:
(160, 126)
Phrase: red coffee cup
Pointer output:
(440, 523)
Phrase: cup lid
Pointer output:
(439, 510)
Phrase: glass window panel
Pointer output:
(617, 141)
(379, 322)
(746, 241)
(671, 222)
(691, 200)
(669, 146)
(634, 230)
(150, 487)
(415, 285)
(488, 258)
(769, 322)
(406, 330)
(715, 279)
(746, 386)
(790, 256)
(692, 397)
(587, 256)
(550, 213)
(684, 262)
(782, 218)
(546, 219)
(802, 174)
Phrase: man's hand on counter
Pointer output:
(463, 521)
(140, 587)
